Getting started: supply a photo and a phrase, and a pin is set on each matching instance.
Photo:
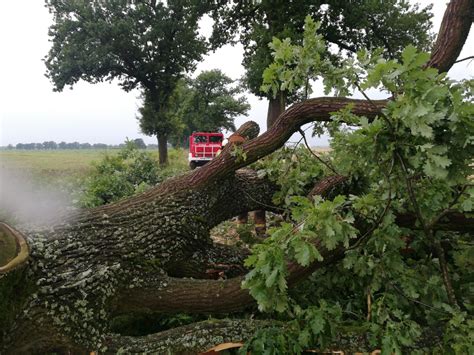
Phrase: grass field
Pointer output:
(57, 164)
(51, 163)
(33, 182)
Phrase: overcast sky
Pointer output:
(31, 112)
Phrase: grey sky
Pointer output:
(31, 112)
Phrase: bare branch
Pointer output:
(462, 60)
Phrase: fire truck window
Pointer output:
(215, 139)
(200, 139)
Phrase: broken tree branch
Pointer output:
(452, 35)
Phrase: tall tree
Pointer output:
(209, 103)
(350, 25)
(144, 44)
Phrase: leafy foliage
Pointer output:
(296, 336)
(107, 40)
(415, 158)
(349, 25)
(162, 121)
(126, 173)
(293, 170)
(293, 64)
(208, 103)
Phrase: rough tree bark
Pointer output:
(61, 285)
(452, 34)
(162, 148)
(276, 106)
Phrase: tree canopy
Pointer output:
(209, 103)
(415, 155)
(148, 45)
(349, 25)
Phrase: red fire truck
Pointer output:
(203, 146)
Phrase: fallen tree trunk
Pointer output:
(79, 270)
(99, 263)
(76, 268)
(191, 339)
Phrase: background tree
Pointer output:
(139, 143)
(77, 145)
(50, 145)
(209, 103)
(350, 25)
(95, 146)
(147, 45)
(169, 121)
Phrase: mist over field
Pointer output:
(27, 202)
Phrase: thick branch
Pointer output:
(201, 337)
(173, 295)
(452, 34)
(165, 294)
(323, 188)
(318, 109)
(193, 338)
(452, 221)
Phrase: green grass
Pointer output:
(73, 164)
(67, 171)
(52, 163)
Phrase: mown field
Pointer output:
(69, 164)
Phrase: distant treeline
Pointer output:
(51, 145)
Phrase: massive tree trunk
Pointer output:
(83, 270)
(60, 286)
(148, 253)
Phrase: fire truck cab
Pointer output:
(203, 147)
